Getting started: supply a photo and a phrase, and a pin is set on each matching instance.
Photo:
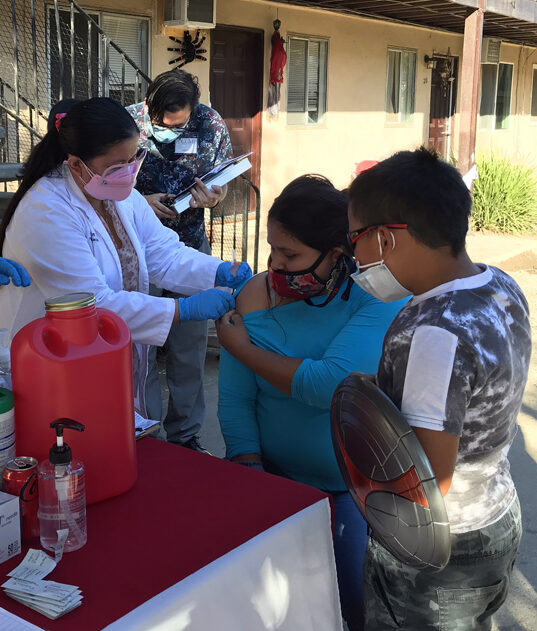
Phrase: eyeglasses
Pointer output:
(354, 235)
(161, 126)
(134, 164)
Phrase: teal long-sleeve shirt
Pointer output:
(293, 432)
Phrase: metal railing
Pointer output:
(229, 224)
(53, 50)
(50, 51)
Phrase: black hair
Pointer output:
(170, 92)
(61, 107)
(313, 211)
(419, 189)
(88, 130)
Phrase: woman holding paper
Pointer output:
(76, 224)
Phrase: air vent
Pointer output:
(490, 52)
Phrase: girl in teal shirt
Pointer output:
(298, 330)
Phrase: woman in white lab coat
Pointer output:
(77, 224)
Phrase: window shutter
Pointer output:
(131, 35)
(489, 75)
(392, 84)
(408, 81)
(503, 96)
(296, 82)
(313, 76)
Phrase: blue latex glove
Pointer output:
(9, 270)
(207, 305)
(225, 277)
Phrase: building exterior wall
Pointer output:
(519, 140)
(355, 126)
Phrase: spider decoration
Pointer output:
(189, 49)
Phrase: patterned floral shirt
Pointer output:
(456, 360)
(165, 171)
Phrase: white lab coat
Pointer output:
(57, 236)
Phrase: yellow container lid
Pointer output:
(70, 302)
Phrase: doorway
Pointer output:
(443, 104)
(236, 87)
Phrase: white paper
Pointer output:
(60, 544)
(220, 175)
(186, 144)
(46, 611)
(49, 589)
(10, 622)
(53, 605)
(472, 175)
(142, 424)
(47, 597)
(35, 565)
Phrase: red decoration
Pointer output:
(278, 59)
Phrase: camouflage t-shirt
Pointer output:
(165, 171)
(456, 360)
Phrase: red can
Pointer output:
(20, 478)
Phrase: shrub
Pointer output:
(505, 196)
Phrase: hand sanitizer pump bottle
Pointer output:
(62, 494)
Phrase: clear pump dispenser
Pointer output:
(62, 495)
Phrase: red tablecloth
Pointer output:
(186, 510)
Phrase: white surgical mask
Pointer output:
(378, 281)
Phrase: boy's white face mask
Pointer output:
(377, 279)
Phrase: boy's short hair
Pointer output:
(419, 189)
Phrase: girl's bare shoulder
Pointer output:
(253, 296)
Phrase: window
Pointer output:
(495, 106)
(306, 80)
(534, 93)
(131, 34)
(400, 85)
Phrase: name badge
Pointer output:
(186, 144)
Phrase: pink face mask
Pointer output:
(117, 182)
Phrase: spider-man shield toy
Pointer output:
(388, 475)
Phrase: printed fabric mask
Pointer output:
(305, 284)
(378, 281)
(117, 182)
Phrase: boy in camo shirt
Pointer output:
(455, 361)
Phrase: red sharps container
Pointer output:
(20, 478)
(76, 362)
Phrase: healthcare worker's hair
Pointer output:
(419, 189)
(61, 107)
(170, 92)
(88, 130)
(314, 211)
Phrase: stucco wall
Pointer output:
(519, 140)
(355, 126)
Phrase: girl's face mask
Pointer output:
(306, 284)
(297, 285)
(117, 182)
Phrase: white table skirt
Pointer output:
(284, 579)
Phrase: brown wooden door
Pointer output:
(236, 85)
(443, 103)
